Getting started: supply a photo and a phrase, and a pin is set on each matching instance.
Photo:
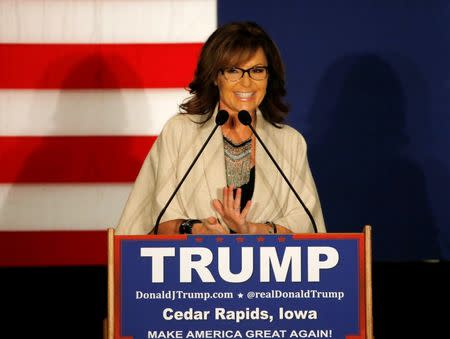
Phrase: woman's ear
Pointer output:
(216, 80)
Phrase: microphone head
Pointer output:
(244, 118)
(221, 117)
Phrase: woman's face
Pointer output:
(246, 93)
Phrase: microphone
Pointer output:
(221, 118)
(246, 119)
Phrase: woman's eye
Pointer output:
(258, 70)
(232, 70)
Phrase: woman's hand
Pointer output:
(230, 210)
(209, 226)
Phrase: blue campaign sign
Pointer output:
(246, 286)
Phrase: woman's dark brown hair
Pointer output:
(230, 45)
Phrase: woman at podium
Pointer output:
(233, 186)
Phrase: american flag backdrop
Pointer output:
(85, 88)
(86, 85)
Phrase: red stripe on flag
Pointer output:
(53, 248)
(83, 66)
(72, 159)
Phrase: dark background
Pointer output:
(368, 83)
(410, 301)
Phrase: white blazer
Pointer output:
(175, 149)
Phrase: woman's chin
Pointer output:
(247, 107)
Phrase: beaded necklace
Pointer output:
(237, 161)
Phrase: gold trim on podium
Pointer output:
(110, 322)
(368, 268)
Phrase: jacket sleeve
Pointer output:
(154, 184)
(294, 216)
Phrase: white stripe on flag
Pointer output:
(61, 207)
(103, 21)
(87, 112)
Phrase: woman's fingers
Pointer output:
(231, 203)
(230, 209)
(218, 206)
(227, 199)
(211, 220)
(246, 209)
(237, 200)
(214, 227)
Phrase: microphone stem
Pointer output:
(182, 180)
(286, 179)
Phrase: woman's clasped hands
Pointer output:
(230, 211)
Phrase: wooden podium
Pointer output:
(317, 284)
